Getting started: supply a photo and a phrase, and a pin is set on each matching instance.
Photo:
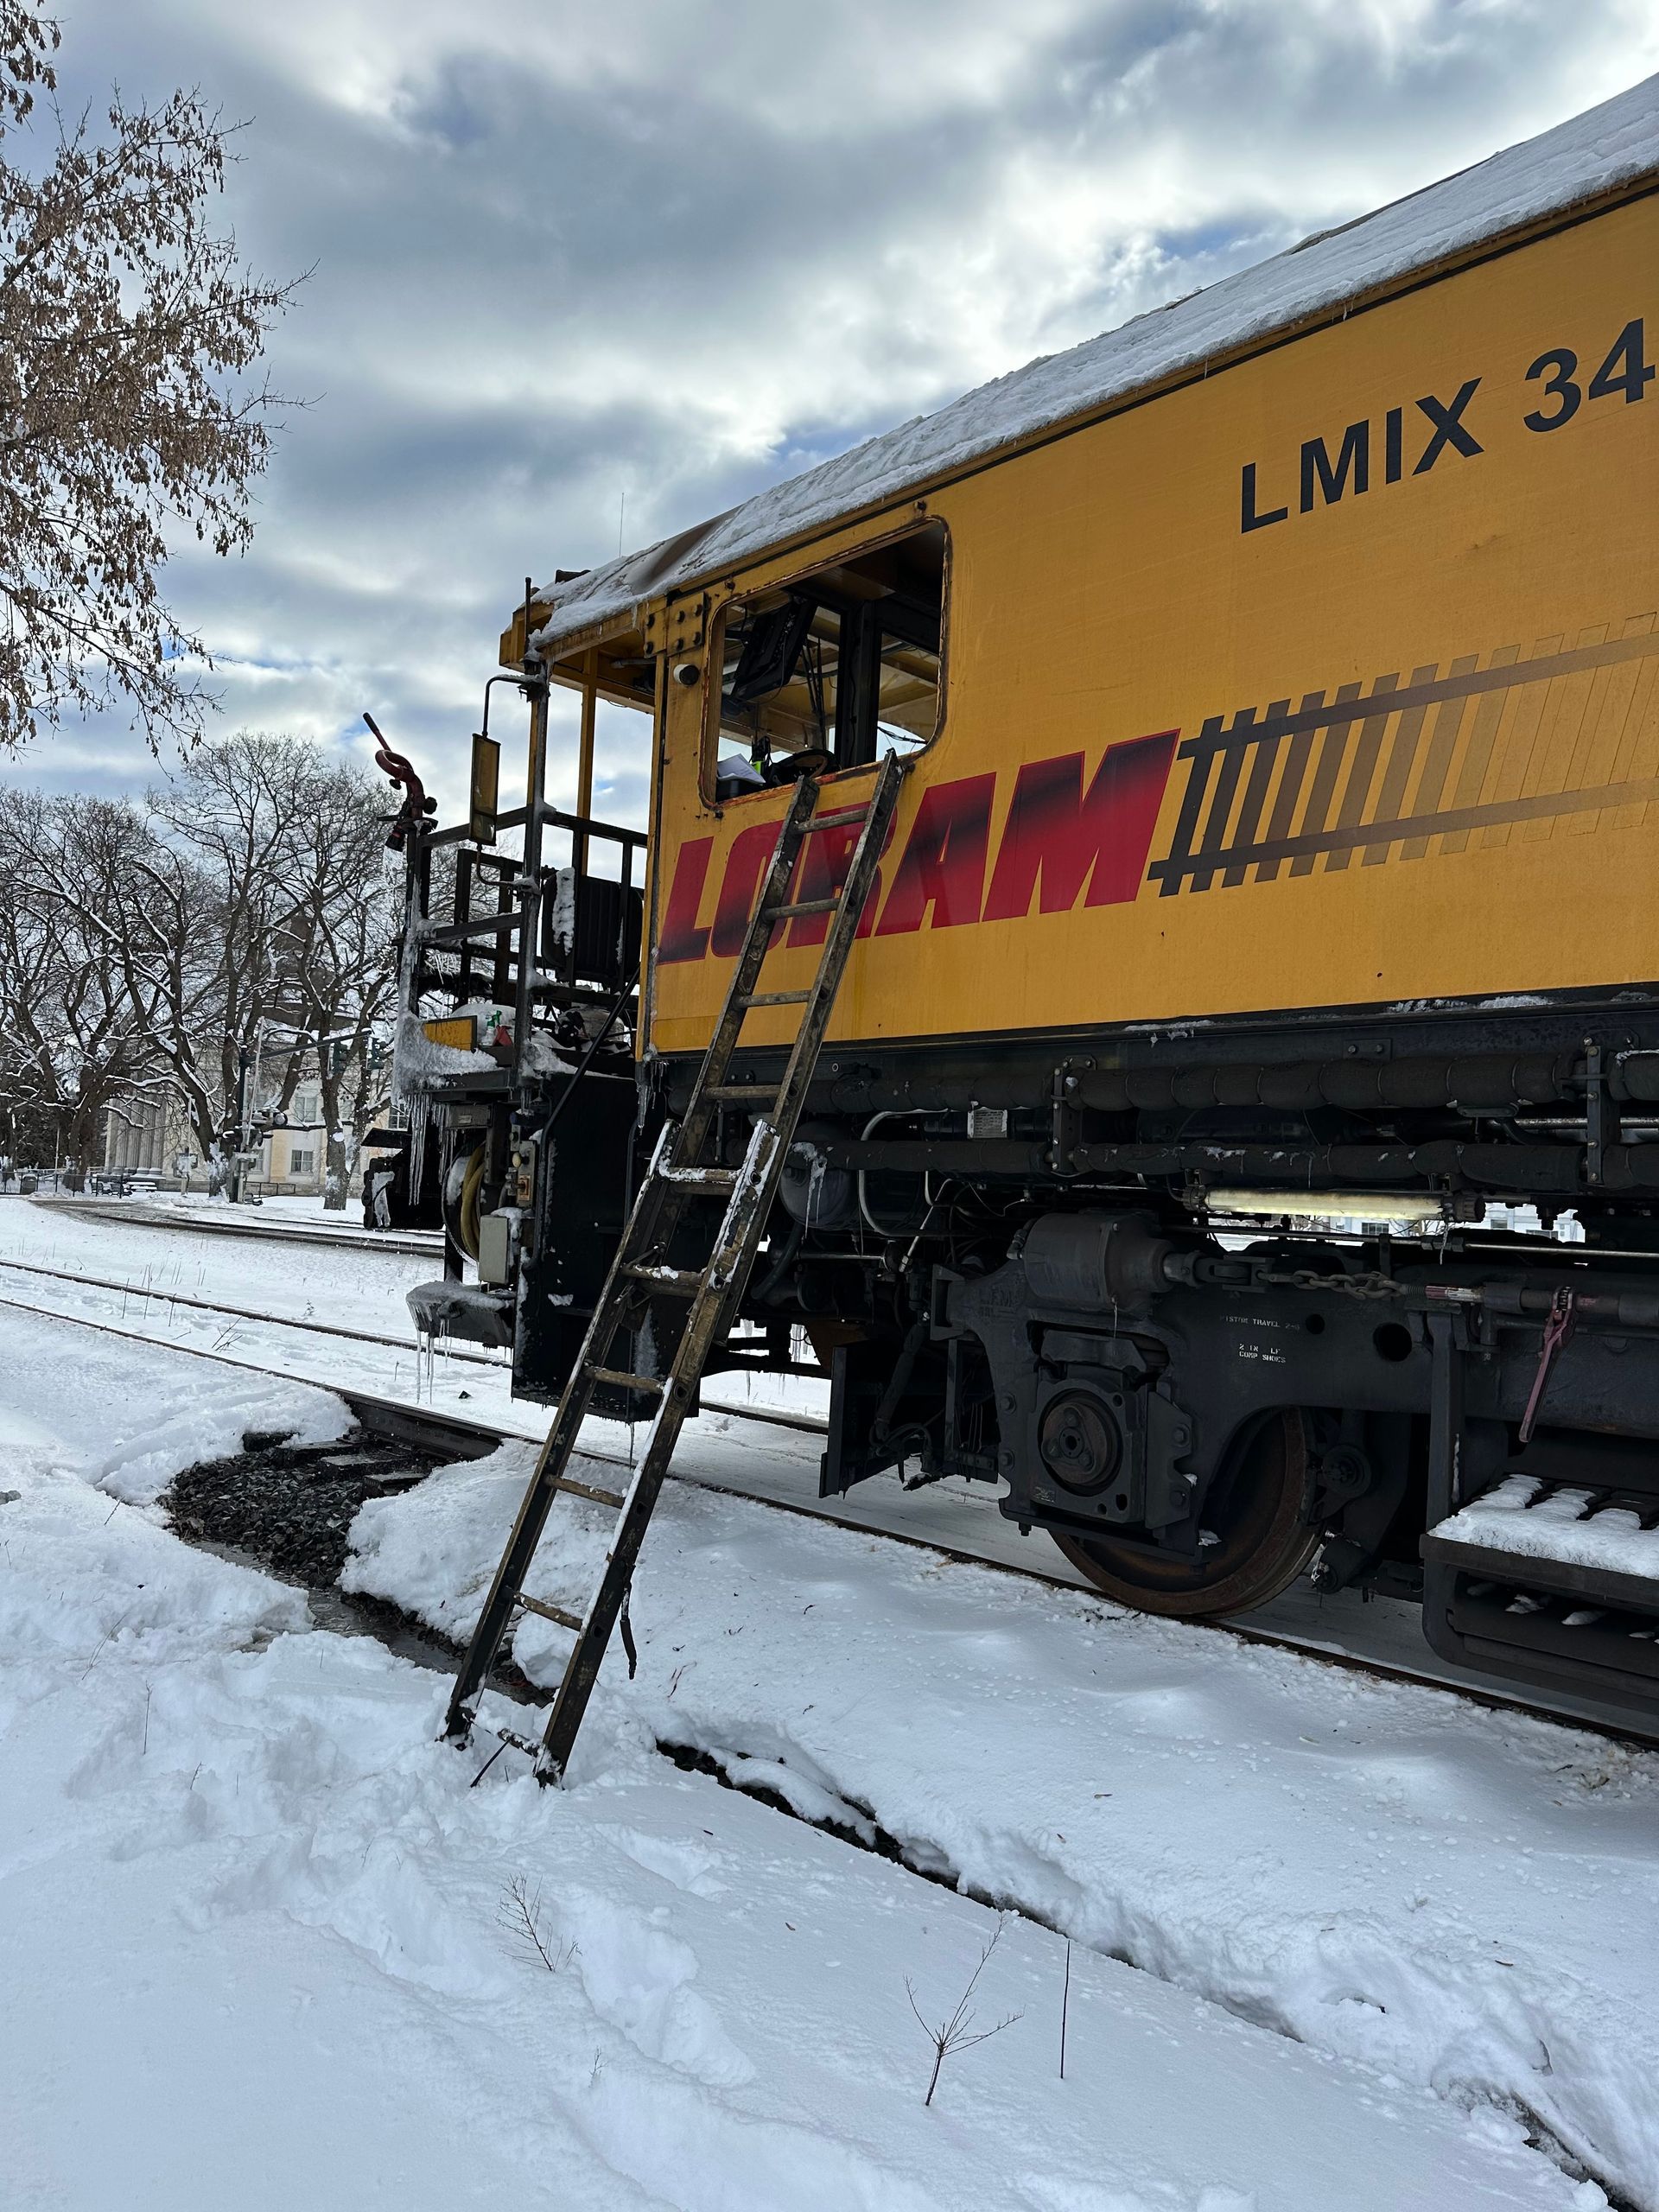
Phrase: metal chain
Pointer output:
(1373, 1284)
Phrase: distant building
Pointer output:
(295, 1153)
(145, 1131)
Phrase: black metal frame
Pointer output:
(567, 983)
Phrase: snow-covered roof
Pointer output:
(1606, 148)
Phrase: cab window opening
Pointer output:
(831, 669)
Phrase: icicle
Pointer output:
(419, 1109)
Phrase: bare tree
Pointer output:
(243, 916)
(160, 916)
(233, 822)
(339, 937)
(129, 331)
(72, 1044)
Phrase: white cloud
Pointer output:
(666, 252)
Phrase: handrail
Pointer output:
(613, 830)
(551, 817)
(514, 961)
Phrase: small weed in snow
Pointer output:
(957, 2033)
(521, 1916)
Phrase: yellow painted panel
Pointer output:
(461, 1033)
(1478, 817)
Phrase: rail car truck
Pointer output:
(1269, 918)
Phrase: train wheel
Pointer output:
(1256, 1510)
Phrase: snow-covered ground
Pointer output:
(346, 1286)
(331, 1286)
(265, 1947)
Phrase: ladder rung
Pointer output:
(700, 1179)
(614, 1375)
(741, 1094)
(673, 1282)
(776, 998)
(531, 1749)
(586, 1490)
(799, 907)
(833, 821)
(555, 1613)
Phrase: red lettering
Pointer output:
(681, 938)
(942, 865)
(745, 866)
(1058, 836)
(1060, 842)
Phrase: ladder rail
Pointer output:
(544, 1489)
(697, 1122)
(838, 944)
(727, 1277)
(557, 1449)
(673, 1180)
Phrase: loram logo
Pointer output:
(1066, 838)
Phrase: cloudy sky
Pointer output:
(583, 271)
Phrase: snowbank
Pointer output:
(268, 1948)
(70, 1403)
(1453, 1897)
(265, 1947)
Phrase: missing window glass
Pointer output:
(833, 669)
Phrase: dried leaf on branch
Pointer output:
(131, 411)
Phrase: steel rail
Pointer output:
(474, 1438)
(247, 1314)
(411, 1244)
(764, 1413)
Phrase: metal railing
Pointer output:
(587, 927)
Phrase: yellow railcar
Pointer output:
(1302, 683)
(1272, 909)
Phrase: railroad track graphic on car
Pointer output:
(1445, 759)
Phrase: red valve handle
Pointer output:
(404, 778)
(1557, 1329)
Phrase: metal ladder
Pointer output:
(679, 1176)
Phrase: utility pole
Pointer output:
(244, 1059)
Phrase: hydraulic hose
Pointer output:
(781, 1265)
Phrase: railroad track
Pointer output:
(424, 1243)
(473, 1436)
(151, 1292)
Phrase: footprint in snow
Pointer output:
(636, 1976)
